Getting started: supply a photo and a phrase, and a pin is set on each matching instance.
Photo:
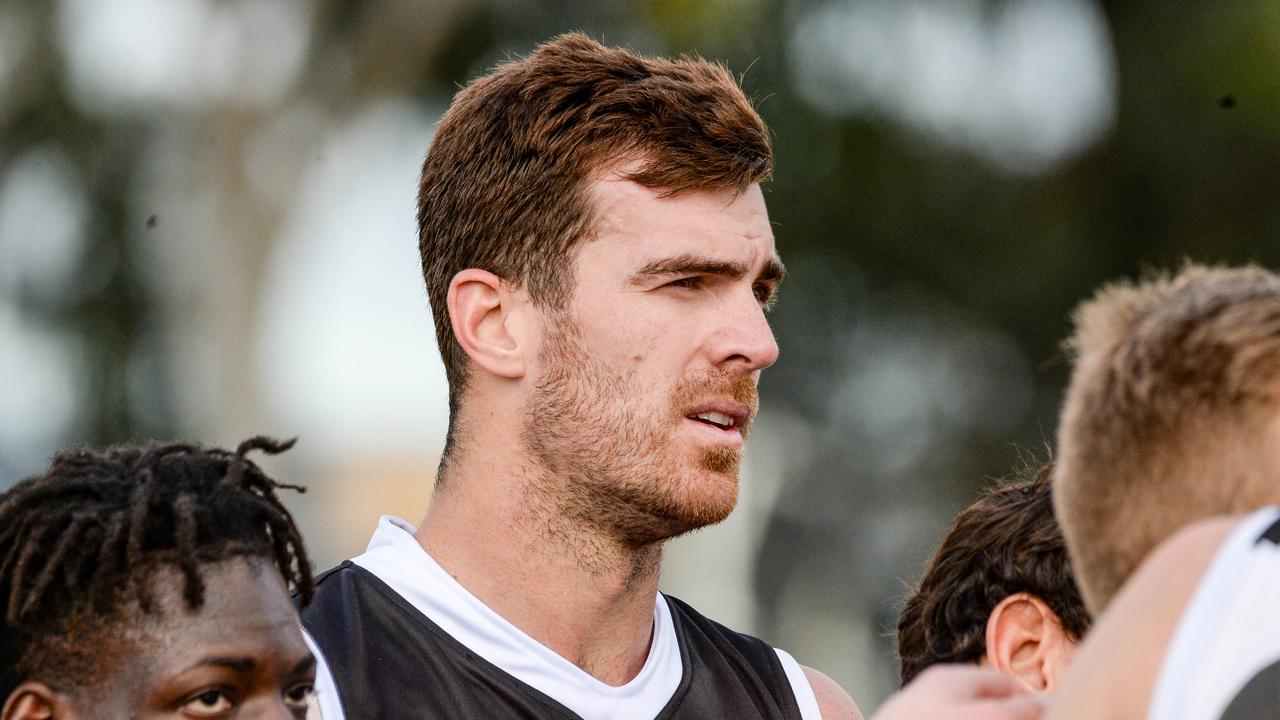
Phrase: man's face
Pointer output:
(240, 655)
(646, 383)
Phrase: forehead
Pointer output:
(246, 612)
(635, 224)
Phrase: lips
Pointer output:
(718, 419)
(724, 415)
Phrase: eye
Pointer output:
(691, 282)
(210, 703)
(297, 696)
(765, 294)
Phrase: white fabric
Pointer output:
(323, 704)
(395, 557)
(1228, 631)
(800, 686)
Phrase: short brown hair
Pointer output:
(1007, 542)
(1175, 378)
(505, 185)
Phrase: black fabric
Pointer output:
(726, 674)
(1259, 699)
(390, 662)
(1271, 534)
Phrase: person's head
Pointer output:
(151, 583)
(998, 591)
(1170, 415)
(597, 256)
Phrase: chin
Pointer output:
(712, 490)
(702, 497)
(724, 461)
(657, 502)
(717, 509)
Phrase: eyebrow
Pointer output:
(689, 264)
(239, 664)
(247, 664)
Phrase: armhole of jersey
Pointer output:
(324, 703)
(800, 686)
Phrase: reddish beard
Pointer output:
(612, 463)
(718, 384)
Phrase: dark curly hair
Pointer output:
(79, 545)
(1007, 542)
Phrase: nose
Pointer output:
(743, 340)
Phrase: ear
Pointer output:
(1025, 639)
(35, 701)
(488, 321)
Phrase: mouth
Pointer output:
(716, 419)
(723, 416)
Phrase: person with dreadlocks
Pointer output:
(152, 583)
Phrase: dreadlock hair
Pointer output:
(80, 544)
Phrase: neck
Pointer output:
(586, 596)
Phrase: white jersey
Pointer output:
(395, 557)
(1223, 661)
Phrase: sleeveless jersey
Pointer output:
(1223, 661)
(398, 637)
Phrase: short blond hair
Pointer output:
(1173, 389)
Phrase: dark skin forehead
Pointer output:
(245, 637)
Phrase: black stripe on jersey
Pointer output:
(1271, 535)
(391, 662)
(1257, 700)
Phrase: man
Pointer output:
(599, 261)
(1166, 490)
(151, 584)
(998, 592)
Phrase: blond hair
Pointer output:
(1173, 389)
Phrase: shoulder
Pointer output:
(326, 581)
(691, 623)
(1115, 670)
(335, 589)
(833, 701)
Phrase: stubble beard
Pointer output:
(610, 460)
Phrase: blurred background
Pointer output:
(207, 232)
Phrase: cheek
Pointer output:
(661, 359)
(636, 342)
(645, 335)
